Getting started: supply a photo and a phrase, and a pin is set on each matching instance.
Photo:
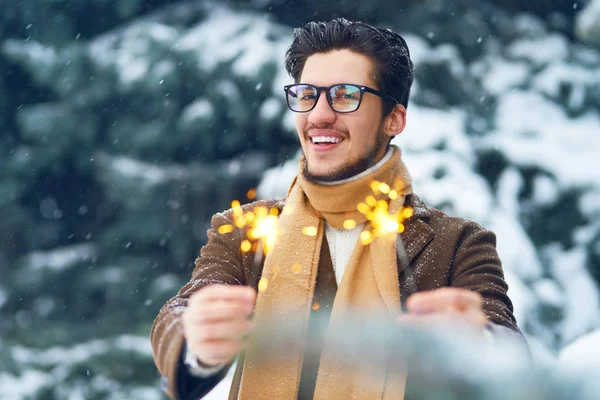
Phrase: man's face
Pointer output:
(362, 141)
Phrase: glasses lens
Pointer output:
(345, 98)
(301, 97)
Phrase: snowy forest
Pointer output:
(124, 126)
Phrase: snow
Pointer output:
(270, 109)
(65, 356)
(276, 181)
(249, 39)
(554, 77)
(24, 386)
(545, 190)
(3, 297)
(541, 51)
(583, 354)
(448, 54)
(44, 368)
(60, 259)
(427, 128)
(549, 292)
(581, 299)
(199, 109)
(131, 58)
(142, 172)
(504, 75)
(418, 47)
(532, 131)
(165, 283)
(587, 23)
(517, 252)
(36, 53)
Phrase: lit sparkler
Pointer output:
(261, 227)
(384, 224)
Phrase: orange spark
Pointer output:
(309, 231)
(263, 283)
(384, 188)
(246, 246)
(375, 187)
(349, 224)
(226, 229)
(366, 237)
(264, 228)
(383, 223)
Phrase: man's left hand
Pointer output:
(446, 306)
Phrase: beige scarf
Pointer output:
(369, 284)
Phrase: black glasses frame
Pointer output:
(327, 90)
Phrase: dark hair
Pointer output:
(387, 50)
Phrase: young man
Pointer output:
(352, 84)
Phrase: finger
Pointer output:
(444, 300)
(239, 293)
(442, 321)
(220, 311)
(425, 320)
(223, 330)
(477, 318)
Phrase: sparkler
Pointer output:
(385, 225)
(261, 226)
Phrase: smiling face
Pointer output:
(336, 145)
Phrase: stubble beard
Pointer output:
(352, 167)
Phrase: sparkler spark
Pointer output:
(309, 231)
(263, 283)
(387, 225)
(262, 228)
(226, 229)
(246, 246)
(261, 232)
(349, 224)
(261, 224)
(383, 223)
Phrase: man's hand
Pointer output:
(216, 322)
(445, 306)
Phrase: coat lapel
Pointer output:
(417, 233)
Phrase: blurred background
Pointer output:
(125, 125)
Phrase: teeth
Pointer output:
(325, 139)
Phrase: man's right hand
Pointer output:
(216, 322)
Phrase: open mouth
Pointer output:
(325, 142)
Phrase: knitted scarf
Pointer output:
(369, 284)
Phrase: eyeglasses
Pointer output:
(343, 97)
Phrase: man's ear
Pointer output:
(395, 122)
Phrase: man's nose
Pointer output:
(322, 111)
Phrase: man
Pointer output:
(352, 84)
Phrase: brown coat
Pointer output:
(442, 251)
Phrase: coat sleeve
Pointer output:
(476, 266)
(220, 262)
